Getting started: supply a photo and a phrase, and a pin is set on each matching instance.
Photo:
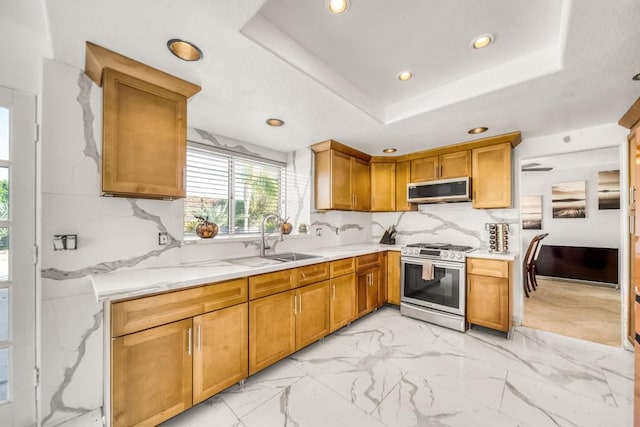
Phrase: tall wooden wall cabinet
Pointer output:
(144, 138)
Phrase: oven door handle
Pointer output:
(436, 263)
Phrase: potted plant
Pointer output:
(205, 228)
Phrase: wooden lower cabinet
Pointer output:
(393, 277)
(342, 306)
(489, 294)
(220, 353)
(312, 313)
(151, 375)
(368, 290)
(272, 330)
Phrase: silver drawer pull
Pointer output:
(189, 341)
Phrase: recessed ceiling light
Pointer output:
(274, 122)
(636, 77)
(481, 41)
(477, 130)
(389, 150)
(405, 75)
(184, 50)
(337, 7)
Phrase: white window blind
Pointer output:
(234, 192)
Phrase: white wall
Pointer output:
(26, 40)
(600, 228)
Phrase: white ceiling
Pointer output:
(605, 157)
(556, 65)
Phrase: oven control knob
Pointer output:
(459, 256)
(444, 255)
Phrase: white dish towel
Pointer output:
(427, 270)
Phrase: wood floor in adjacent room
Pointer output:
(576, 310)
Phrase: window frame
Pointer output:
(232, 157)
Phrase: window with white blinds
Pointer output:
(233, 191)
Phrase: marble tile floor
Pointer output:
(390, 370)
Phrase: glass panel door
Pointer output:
(17, 269)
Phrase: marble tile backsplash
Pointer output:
(117, 233)
(456, 223)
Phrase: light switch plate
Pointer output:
(163, 238)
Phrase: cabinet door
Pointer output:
(403, 177)
(221, 350)
(341, 190)
(383, 187)
(272, 328)
(362, 284)
(144, 142)
(491, 179)
(361, 185)
(425, 169)
(343, 301)
(151, 374)
(312, 317)
(382, 281)
(488, 302)
(455, 165)
(373, 289)
(393, 277)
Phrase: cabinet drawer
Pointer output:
(313, 273)
(342, 267)
(147, 312)
(367, 261)
(271, 283)
(488, 267)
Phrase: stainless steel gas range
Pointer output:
(434, 283)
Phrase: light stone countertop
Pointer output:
(478, 253)
(134, 283)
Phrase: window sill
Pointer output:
(195, 240)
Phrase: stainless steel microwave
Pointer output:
(440, 191)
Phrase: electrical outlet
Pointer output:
(318, 232)
(163, 238)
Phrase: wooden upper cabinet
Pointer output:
(383, 187)
(144, 138)
(491, 179)
(424, 169)
(454, 165)
(341, 196)
(403, 177)
(444, 166)
(342, 179)
(361, 184)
